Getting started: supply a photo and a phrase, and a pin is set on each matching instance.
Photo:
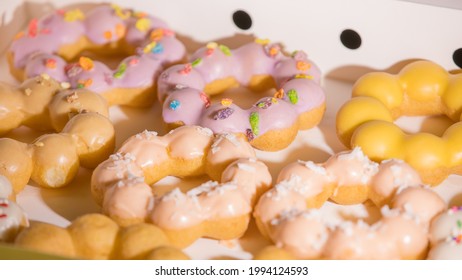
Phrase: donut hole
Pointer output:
(335, 214)
(435, 125)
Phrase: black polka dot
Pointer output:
(457, 57)
(350, 39)
(242, 19)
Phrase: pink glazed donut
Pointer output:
(49, 43)
(272, 122)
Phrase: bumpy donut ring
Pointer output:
(85, 134)
(121, 184)
(95, 236)
(421, 88)
(12, 217)
(446, 235)
(271, 123)
(105, 29)
(285, 213)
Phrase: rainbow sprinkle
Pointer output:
(249, 134)
(454, 209)
(33, 28)
(84, 83)
(225, 50)
(226, 102)
(186, 69)
(196, 62)
(120, 71)
(212, 45)
(159, 48)
(262, 42)
(73, 15)
(120, 30)
(149, 47)
(18, 36)
(303, 65)
(133, 61)
(205, 99)
(279, 94)
(273, 50)
(223, 113)
(120, 12)
(264, 104)
(293, 96)
(86, 63)
(50, 63)
(174, 104)
(157, 34)
(303, 76)
(143, 24)
(107, 35)
(254, 120)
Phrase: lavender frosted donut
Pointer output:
(272, 122)
(52, 45)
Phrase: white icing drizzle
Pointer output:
(246, 167)
(147, 135)
(314, 167)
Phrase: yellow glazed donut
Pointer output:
(53, 43)
(85, 135)
(220, 210)
(421, 88)
(95, 236)
(446, 235)
(272, 122)
(287, 214)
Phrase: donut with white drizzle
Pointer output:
(446, 235)
(12, 217)
(220, 210)
(286, 214)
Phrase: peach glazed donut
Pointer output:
(85, 135)
(121, 184)
(446, 235)
(95, 236)
(421, 88)
(272, 122)
(286, 214)
(51, 42)
(12, 217)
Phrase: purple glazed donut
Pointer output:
(52, 45)
(272, 122)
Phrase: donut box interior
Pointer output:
(345, 39)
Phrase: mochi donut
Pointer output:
(84, 134)
(272, 122)
(12, 217)
(446, 235)
(219, 210)
(287, 214)
(420, 88)
(52, 45)
(95, 236)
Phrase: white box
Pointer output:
(392, 32)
